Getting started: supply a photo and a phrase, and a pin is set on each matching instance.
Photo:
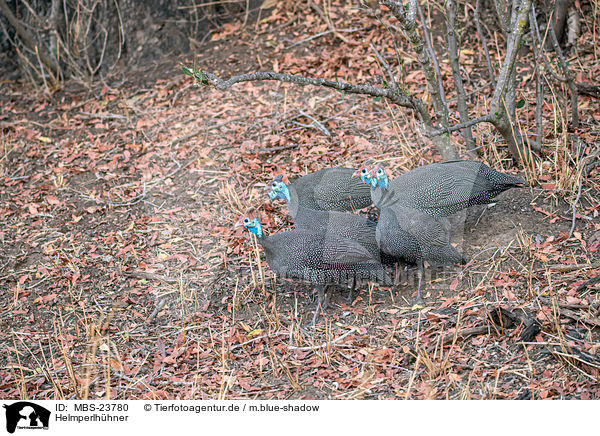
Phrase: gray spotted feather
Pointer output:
(442, 189)
(330, 189)
(320, 258)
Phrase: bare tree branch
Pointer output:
(541, 43)
(458, 82)
(409, 25)
(502, 103)
(432, 55)
(484, 119)
(514, 43)
(568, 76)
(394, 95)
(500, 6)
(485, 45)
(558, 20)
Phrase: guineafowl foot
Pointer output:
(315, 317)
(350, 298)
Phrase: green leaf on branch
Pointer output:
(376, 99)
(520, 103)
(196, 74)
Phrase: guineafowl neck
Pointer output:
(382, 197)
(376, 195)
(293, 204)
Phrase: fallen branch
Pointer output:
(593, 321)
(591, 282)
(465, 333)
(574, 267)
(150, 276)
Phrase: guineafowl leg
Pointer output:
(321, 303)
(420, 277)
(351, 293)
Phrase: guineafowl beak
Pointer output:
(253, 226)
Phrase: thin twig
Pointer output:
(575, 205)
(409, 25)
(386, 67)
(432, 55)
(485, 45)
(484, 119)
(568, 76)
(458, 82)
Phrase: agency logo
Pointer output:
(26, 415)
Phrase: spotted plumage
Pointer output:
(442, 189)
(412, 235)
(326, 189)
(319, 257)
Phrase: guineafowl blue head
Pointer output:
(366, 177)
(381, 178)
(278, 189)
(254, 226)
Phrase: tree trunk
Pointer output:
(444, 146)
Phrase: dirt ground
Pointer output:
(125, 274)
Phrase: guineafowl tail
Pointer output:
(489, 183)
(498, 180)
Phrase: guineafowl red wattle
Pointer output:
(326, 189)
(318, 257)
(442, 189)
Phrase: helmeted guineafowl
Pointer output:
(318, 257)
(410, 234)
(347, 225)
(442, 189)
(326, 189)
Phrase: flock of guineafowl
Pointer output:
(331, 246)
